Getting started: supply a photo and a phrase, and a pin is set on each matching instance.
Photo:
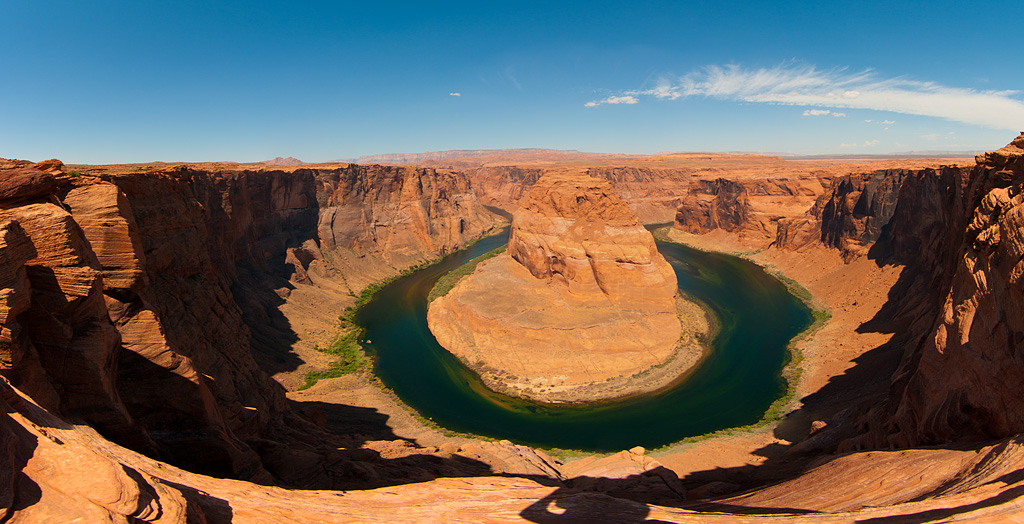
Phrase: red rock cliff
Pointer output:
(133, 301)
(849, 216)
(754, 209)
(651, 193)
(964, 377)
(401, 215)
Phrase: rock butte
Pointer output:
(580, 297)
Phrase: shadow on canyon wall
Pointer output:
(203, 507)
(17, 490)
(270, 333)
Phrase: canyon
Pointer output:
(155, 321)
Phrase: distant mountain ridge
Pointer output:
(290, 161)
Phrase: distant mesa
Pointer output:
(290, 161)
(579, 305)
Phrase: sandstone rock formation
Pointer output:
(580, 297)
(51, 471)
(849, 216)
(652, 194)
(503, 187)
(956, 303)
(963, 378)
(794, 205)
(754, 210)
(135, 301)
(396, 216)
(728, 209)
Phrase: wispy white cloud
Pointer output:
(823, 112)
(802, 85)
(455, 94)
(664, 90)
(627, 99)
(888, 122)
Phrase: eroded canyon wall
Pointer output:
(847, 212)
(377, 220)
(956, 309)
(850, 215)
(653, 194)
(964, 380)
(752, 209)
(130, 300)
(99, 323)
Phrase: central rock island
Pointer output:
(580, 308)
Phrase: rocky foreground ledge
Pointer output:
(580, 308)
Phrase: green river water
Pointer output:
(733, 386)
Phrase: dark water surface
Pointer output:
(733, 386)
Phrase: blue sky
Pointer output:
(131, 81)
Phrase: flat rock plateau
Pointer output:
(157, 320)
(579, 303)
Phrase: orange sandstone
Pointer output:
(580, 301)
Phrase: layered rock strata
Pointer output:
(51, 471)
(377, 220)
(961, 380)
(652, 194)
(752, 210)
(956, 307)
(581, 297)
(136, 302)
(850, 215)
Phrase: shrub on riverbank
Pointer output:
(447, 282)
